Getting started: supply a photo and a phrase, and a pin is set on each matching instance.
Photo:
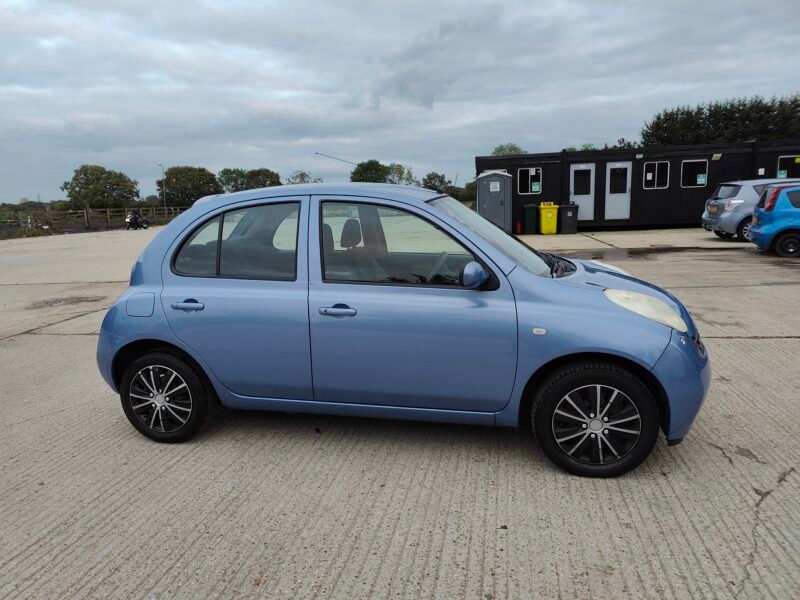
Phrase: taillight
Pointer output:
(772, 199)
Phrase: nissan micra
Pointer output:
(397, 302)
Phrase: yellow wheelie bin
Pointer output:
(548, 218)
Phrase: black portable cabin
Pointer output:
(642, 187)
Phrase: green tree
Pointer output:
(100, 188)
(184, 185)
(370, 170)
(260, 178)
(437, 181)
(401, 175)
(232, 180)
(302, 177)
(732, 120)
(506, 149)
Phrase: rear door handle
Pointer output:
(337, 310)
(188, 305)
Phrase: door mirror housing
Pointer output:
(473, 275)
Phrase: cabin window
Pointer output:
(694, 173)
(656, 175)
(788, 166)
(529, 180)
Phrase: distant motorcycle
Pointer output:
(135, 220)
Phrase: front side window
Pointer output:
(257, 242)
(367, 243)
(656, 175)
(694, 173)
(788, 166)
(529, 180)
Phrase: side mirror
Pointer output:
(473, 275)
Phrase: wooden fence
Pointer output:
(70, 221)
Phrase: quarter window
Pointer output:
(198, 255)
(694, 173)
(366, 243)
(258, 242)
(656, 175)
(788, 166)
(529, 180)
(794, 198)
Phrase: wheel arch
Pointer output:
(130, 352)
(777, 235)
(649, 380)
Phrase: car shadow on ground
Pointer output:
(514, 448)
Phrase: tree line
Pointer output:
(98, 187)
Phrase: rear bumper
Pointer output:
(725, 221)
(685, 374)
(107, 346)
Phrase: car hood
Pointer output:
(598, 276)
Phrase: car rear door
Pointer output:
(390, 325)
(236, 293)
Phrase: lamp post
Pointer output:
(163, 188)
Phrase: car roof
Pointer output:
(390, 191)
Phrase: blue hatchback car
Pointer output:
(390, 301)
(776, 220)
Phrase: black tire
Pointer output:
(145, 224)
(580, 381)
(788, 244)
(159, 416)
(743, 229)
(723, 234)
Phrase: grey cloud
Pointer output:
(431, 84)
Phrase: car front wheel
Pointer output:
(788, 245)
(164, 397)
(595, 419)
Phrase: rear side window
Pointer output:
(257, 242)
(794, 198)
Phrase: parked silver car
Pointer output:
(729, 211)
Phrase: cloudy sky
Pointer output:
(430, 84)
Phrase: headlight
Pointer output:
(648, 306)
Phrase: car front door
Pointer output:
(235, 291)
(390, 322)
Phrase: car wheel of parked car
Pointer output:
(788, 244)
(595, 419)
(164, 397)
(743, 230)
(723, 234)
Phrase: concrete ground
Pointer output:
(299, 506)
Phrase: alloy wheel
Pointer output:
(160, 398)
(596, 424)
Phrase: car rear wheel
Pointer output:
(723, 234)
(164, 397)
(595, 419)
(788, 245)
(743, 230)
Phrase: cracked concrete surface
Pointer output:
(305, 506)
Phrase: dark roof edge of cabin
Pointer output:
(687, 148)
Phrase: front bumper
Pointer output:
(685, 374)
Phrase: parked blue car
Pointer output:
(390, 301)
(776, 220)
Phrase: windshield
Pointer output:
(724, 191)
(522, 254)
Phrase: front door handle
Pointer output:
(188, 305)
(337, 310)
